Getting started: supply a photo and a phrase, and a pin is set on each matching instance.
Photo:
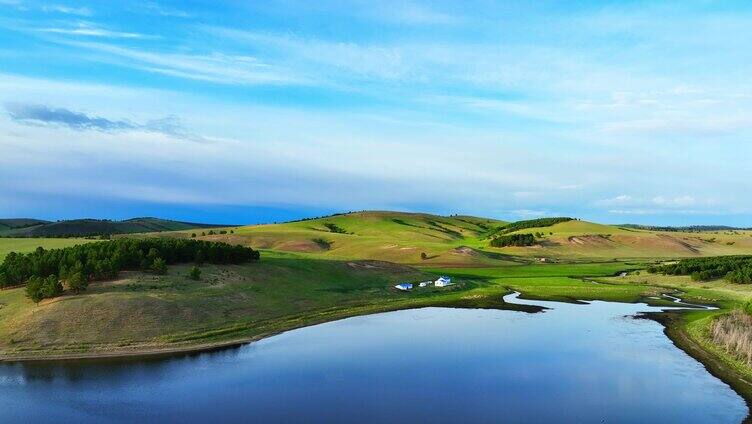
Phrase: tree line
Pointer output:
(513, 240)
(530, 223)
(688, 228)
(334, 228)
(43, 271)
(735, 269)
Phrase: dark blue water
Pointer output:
(573, 363)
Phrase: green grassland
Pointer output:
(464, 241)
(390, 236)
(23, 245)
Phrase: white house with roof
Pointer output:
(443, 281)
(404, 286)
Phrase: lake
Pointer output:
(571, 363)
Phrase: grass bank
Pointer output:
(142, 313)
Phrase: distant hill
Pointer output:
(13, 223)
(382, 235)
(686, 229)
(433, 240)
(426, 239)
(24, 227)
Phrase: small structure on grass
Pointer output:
(404, 286)
(443, 281)
(425, 283)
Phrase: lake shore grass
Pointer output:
(140, 314)
(143, 313)
(688, 331)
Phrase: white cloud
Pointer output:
(680, 201)
(88, 29)
(213, 67)
(529, 213)
(622, 199)
(158, 9)
(661, 205)
(67, 10)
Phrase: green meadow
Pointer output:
(456, 241)
(23, 245)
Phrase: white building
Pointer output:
(404, 286)
(425, 283)
(443, 281)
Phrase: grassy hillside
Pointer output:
(586, 240)
(389, 236)
(13, 223)
(464, 241)
(87, 227)
(233, 302)
(228, 301)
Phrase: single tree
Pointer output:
(159, 266)
(51, 287)
(77, 283)
(195, 273)
(34, 289)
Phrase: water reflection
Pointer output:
(583, 363)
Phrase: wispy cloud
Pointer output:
(41, 114)
(67, 10)
(625, 204)
(88, 29)
(12, 3)
(212, 67)
(158, 9)
(35, 114)
(318, 58)
(530, 213)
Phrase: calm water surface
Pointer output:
(572, 363)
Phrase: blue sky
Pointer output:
(263, 111)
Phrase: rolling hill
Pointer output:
(408, 238)
(423, 239)
(24, 227)
(17, 223)
(432, 240)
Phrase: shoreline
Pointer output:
(673, 322)
(283, 324)
(136, 353)
(674, 327)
